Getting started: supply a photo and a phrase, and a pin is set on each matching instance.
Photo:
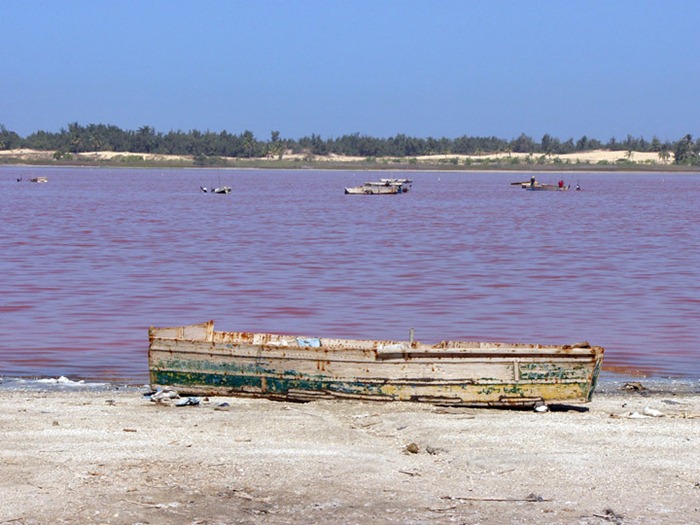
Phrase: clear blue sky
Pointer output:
(440, 68)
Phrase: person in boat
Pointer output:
(533, 182)
(578, 187)
(561, 184)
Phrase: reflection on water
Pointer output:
(91, 259)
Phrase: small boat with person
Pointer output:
(534, 185)
(545, 187)
(197, 360)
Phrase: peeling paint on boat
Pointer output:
(195, 359)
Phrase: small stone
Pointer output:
(412, 448)
(652, 412)
(187, 401)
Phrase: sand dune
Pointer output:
(587, 157)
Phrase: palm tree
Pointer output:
(685, 150)
(76, 136)
(547, 145)
(145, 139)
(96, 142)
(76, 143)
(248, 143)
(277, 149)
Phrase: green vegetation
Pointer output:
(227, 149)
(687, 152)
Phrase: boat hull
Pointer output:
(372, 190)
(544, 187)
(383, 187)
(197, 360)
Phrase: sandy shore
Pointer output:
(586, 157)
(115, 456)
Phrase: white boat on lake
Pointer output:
(381, 187)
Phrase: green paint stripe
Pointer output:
(281, 385)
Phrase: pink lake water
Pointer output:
(94, 257)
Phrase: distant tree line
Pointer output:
(101, 137)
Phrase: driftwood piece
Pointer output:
(611, 516)
(530, 498)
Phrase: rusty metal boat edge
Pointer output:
(196, 360)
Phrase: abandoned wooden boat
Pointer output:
(197, 360)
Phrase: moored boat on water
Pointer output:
(381, 187)
(221, 189)
(404, 185)
(535, 185)
(369, 188)
(195, 359)
(544, 187)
